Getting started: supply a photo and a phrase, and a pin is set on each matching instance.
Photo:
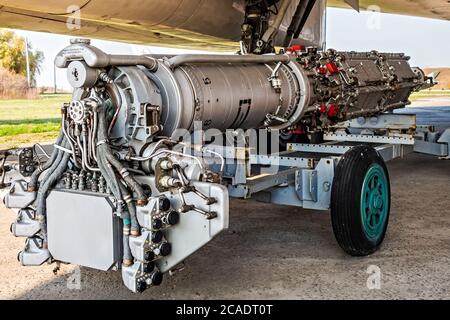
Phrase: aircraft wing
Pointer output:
(436, 9)
(193, 24)
(172, 23)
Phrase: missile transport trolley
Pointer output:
(120, 176)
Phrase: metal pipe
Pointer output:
(238, 59)
(151, 156)
(96, 58)
(118, 103)
(69, 138)
(94, 131)
(121, 60)
(85, 154)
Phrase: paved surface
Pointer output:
(283, 253)
(439, 117)
(432, 101)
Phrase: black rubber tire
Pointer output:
(346, 201)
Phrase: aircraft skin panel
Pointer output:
(211, 25)
(174, 23)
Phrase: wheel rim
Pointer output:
(374, 202)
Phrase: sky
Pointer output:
(425, 40)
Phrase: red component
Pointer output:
(296, 48)
(323, 108)
(322, 70)
(298, 131)
(333, 111)
(332, 68)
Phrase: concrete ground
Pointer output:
(282, 253)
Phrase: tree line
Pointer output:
(13, 66)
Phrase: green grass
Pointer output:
(34, 126)
(432, 93)
(46, 107)
(21, 120)
(429, 94)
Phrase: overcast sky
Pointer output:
(425, 40)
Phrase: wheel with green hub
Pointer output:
(360, 201)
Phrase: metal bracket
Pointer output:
(383, 121)
(431, 143)
(306, 184)
(403, 139)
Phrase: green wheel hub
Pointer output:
(374, 202)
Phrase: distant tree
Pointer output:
(13, 58)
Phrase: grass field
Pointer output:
(26, 121)
(429, 94)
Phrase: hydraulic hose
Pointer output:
(123, 193)
(55, 165)
(33, 184)
(126, 175)
(127, 258)
(118, 190)
(110, 176)
(51, 178)
(135, 228)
